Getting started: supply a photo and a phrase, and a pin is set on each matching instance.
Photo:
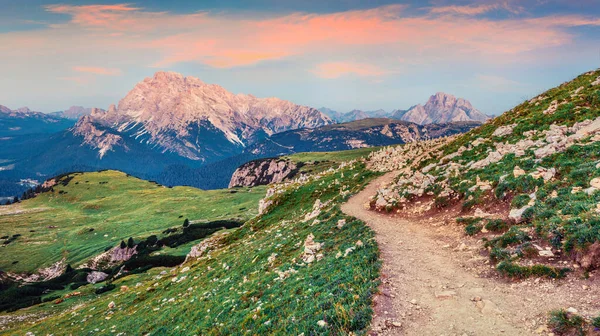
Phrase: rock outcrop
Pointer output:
(264, 171)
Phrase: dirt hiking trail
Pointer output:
(432, 287)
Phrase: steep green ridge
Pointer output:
(259, 278)
(88, 212)
(539, 163)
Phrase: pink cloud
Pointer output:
(98, 70)
(336, 69)
(223, 41)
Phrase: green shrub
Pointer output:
(512, 270)
(496, 225)
(472, 229)
(564, 323)
(498, 254)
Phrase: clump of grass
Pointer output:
(563, 323)
(513, 236)
(496, 225)
(472, 229)
(515, 271)
(498, 254)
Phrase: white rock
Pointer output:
(546, 253)
(517, 214)
(518, 172)
(322, 324)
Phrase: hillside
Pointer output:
(86, 212)
(525, 186)
(301, 266)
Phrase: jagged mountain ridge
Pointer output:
(186, 116)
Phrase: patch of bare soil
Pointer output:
(435, 281)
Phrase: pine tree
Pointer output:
(130, 242)
(186, 223)
(123, 245)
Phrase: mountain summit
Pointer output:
(195, 120)
(442, 108)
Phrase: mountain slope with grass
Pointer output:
(526, 185)
(300, 266)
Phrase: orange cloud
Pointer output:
(98, 70)
(337, 69)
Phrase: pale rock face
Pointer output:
(262, 172)
(100, 139)
(443, 108)
(174, 112)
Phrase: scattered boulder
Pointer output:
(595, 183)
(310, 249)
(518, 171)
(504, 130)
(95, 277)
(552, 108)
(517, 214)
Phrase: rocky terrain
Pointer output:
(441, 108)
(263, 171)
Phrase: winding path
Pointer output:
(429, 287)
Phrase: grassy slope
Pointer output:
(569, 221)
(321, 161)
(235, 290)
(120, 208)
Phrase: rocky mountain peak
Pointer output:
(442, 108)
(182, 114)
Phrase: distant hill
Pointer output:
(357, 134)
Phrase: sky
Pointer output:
(344, 55)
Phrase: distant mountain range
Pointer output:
(356, 134)
(440, 108)
(24, 121)
(181, 131)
